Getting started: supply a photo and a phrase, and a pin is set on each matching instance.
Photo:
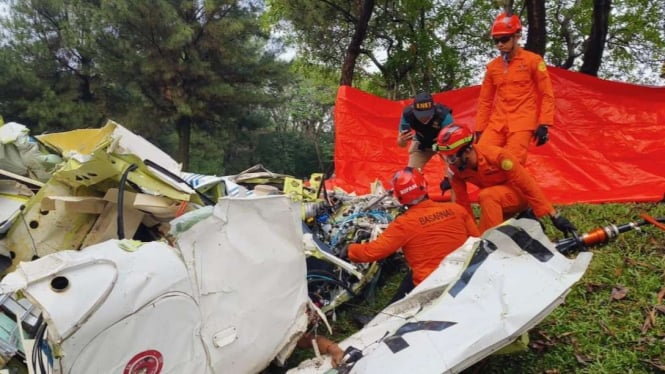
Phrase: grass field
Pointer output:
(613, 320)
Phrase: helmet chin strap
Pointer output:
(465, 160)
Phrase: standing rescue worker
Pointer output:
(506, 187)
(516, 101)
(427, 232)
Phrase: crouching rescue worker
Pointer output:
(427, 231)
(506, 187)
(421, 122)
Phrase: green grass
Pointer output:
(593, 331)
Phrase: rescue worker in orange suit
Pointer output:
(506, 187)
(516, 102)
(421, 122)
(427, 231)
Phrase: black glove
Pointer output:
(445, 184)
(563, 224)
(477, 136)
(540, 135)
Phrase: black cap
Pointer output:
(423, 106)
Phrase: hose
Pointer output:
(327, 279)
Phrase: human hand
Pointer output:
(336, 355)
(562, 224)
(404, 136)
(540, 136)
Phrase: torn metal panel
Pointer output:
(13, 196)
(122, 302)
(126, 142)
(252, 267)
(37, 232)
(82, 141)
(97, 154)
(229, 297)
(95, 168)
(433, 330)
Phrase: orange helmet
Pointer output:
(506, 25)
(453, 139)
(409, 186)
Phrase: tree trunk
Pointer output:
(595, 44)
(184, 128)
(365, 9)
(537, 40)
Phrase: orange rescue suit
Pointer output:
(427, 232)
(506, 187)
(515, 96)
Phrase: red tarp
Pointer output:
(607, 143)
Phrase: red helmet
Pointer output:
(452, 139)
(505, 25)
(409, 186)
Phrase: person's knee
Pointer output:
(518, 145)
(485, 196)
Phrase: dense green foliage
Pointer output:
(439, 45)
(164, 69)
(208, 81)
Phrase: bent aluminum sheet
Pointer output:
(229, 298)
(510, 282)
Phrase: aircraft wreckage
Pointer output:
(116, 261)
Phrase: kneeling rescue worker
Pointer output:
(427, 231)
(506, 187)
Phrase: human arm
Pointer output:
(404, 132)
(545, 92)
(325, 346)
(390, 240)
(448, 118)
(470, 224)
(459, 194)
(523, 181)
(404, 137)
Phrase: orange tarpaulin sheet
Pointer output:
(607, 143)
